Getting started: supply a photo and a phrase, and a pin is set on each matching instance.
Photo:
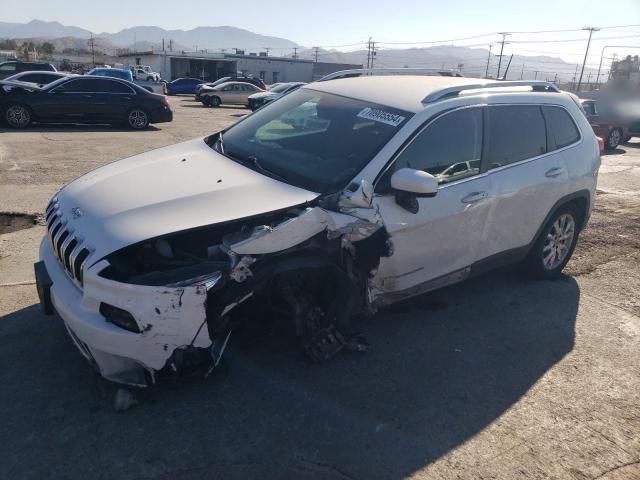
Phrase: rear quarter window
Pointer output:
(562, 130)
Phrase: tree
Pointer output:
(47, 48)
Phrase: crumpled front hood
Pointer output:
(167, 190)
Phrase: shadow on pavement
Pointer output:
(76, 128)
(441, 368)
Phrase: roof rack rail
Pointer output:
(364, 72)
(456, 90)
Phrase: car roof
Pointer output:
(40, 72)
(404, 92)
(235, 83)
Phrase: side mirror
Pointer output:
(417, 182)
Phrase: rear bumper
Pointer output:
(161, 116)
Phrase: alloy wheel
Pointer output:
(614, 138)
(558, 242)
(137, 119)
(18, 116)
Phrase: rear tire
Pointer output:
(555, 245)
(17, 115)
(614, 139)
(137, 119)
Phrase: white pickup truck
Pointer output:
(144, 72)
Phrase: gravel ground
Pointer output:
(494, 378)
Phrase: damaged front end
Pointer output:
(307, 267)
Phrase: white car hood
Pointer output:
(263, 95)
(167, 190)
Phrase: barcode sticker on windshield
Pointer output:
(381, 116)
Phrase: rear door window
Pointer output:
(8, 67)
(562, 130)
(516, 132)
(79, 86)
(111, 86)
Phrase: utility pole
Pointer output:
(486, 71)
(504, 36)
(508, 65)
(295, 52)
(586, 53)
(267, 49)
(555, 80)
(316, 52)
(369, 54)
(522, 72)
(373, 53)
(536, 77)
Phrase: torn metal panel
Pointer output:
(294, 231)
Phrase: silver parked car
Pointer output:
(234, 93)
(275, 91)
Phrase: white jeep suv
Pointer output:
(387, 187)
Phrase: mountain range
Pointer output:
(469, 61)
(201, 37)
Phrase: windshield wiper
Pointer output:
(256, 163)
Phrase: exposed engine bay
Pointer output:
(308, 267)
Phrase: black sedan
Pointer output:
(85, 100)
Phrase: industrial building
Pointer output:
(210, 66)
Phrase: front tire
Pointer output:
(17, 116)
(137, 119)
(214, 102)
(614, 139)
(553, 249)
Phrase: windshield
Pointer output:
(589, 108)
(314, 140)
(219, 81)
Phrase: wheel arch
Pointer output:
(580, 200)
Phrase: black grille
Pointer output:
(67, 245)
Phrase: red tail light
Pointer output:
(601, 144)
(165, 101)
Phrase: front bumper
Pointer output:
(169, 318)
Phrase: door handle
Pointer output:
(554, 172)
(87, 96)
(475, 197)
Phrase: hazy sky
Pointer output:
(342, 22)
